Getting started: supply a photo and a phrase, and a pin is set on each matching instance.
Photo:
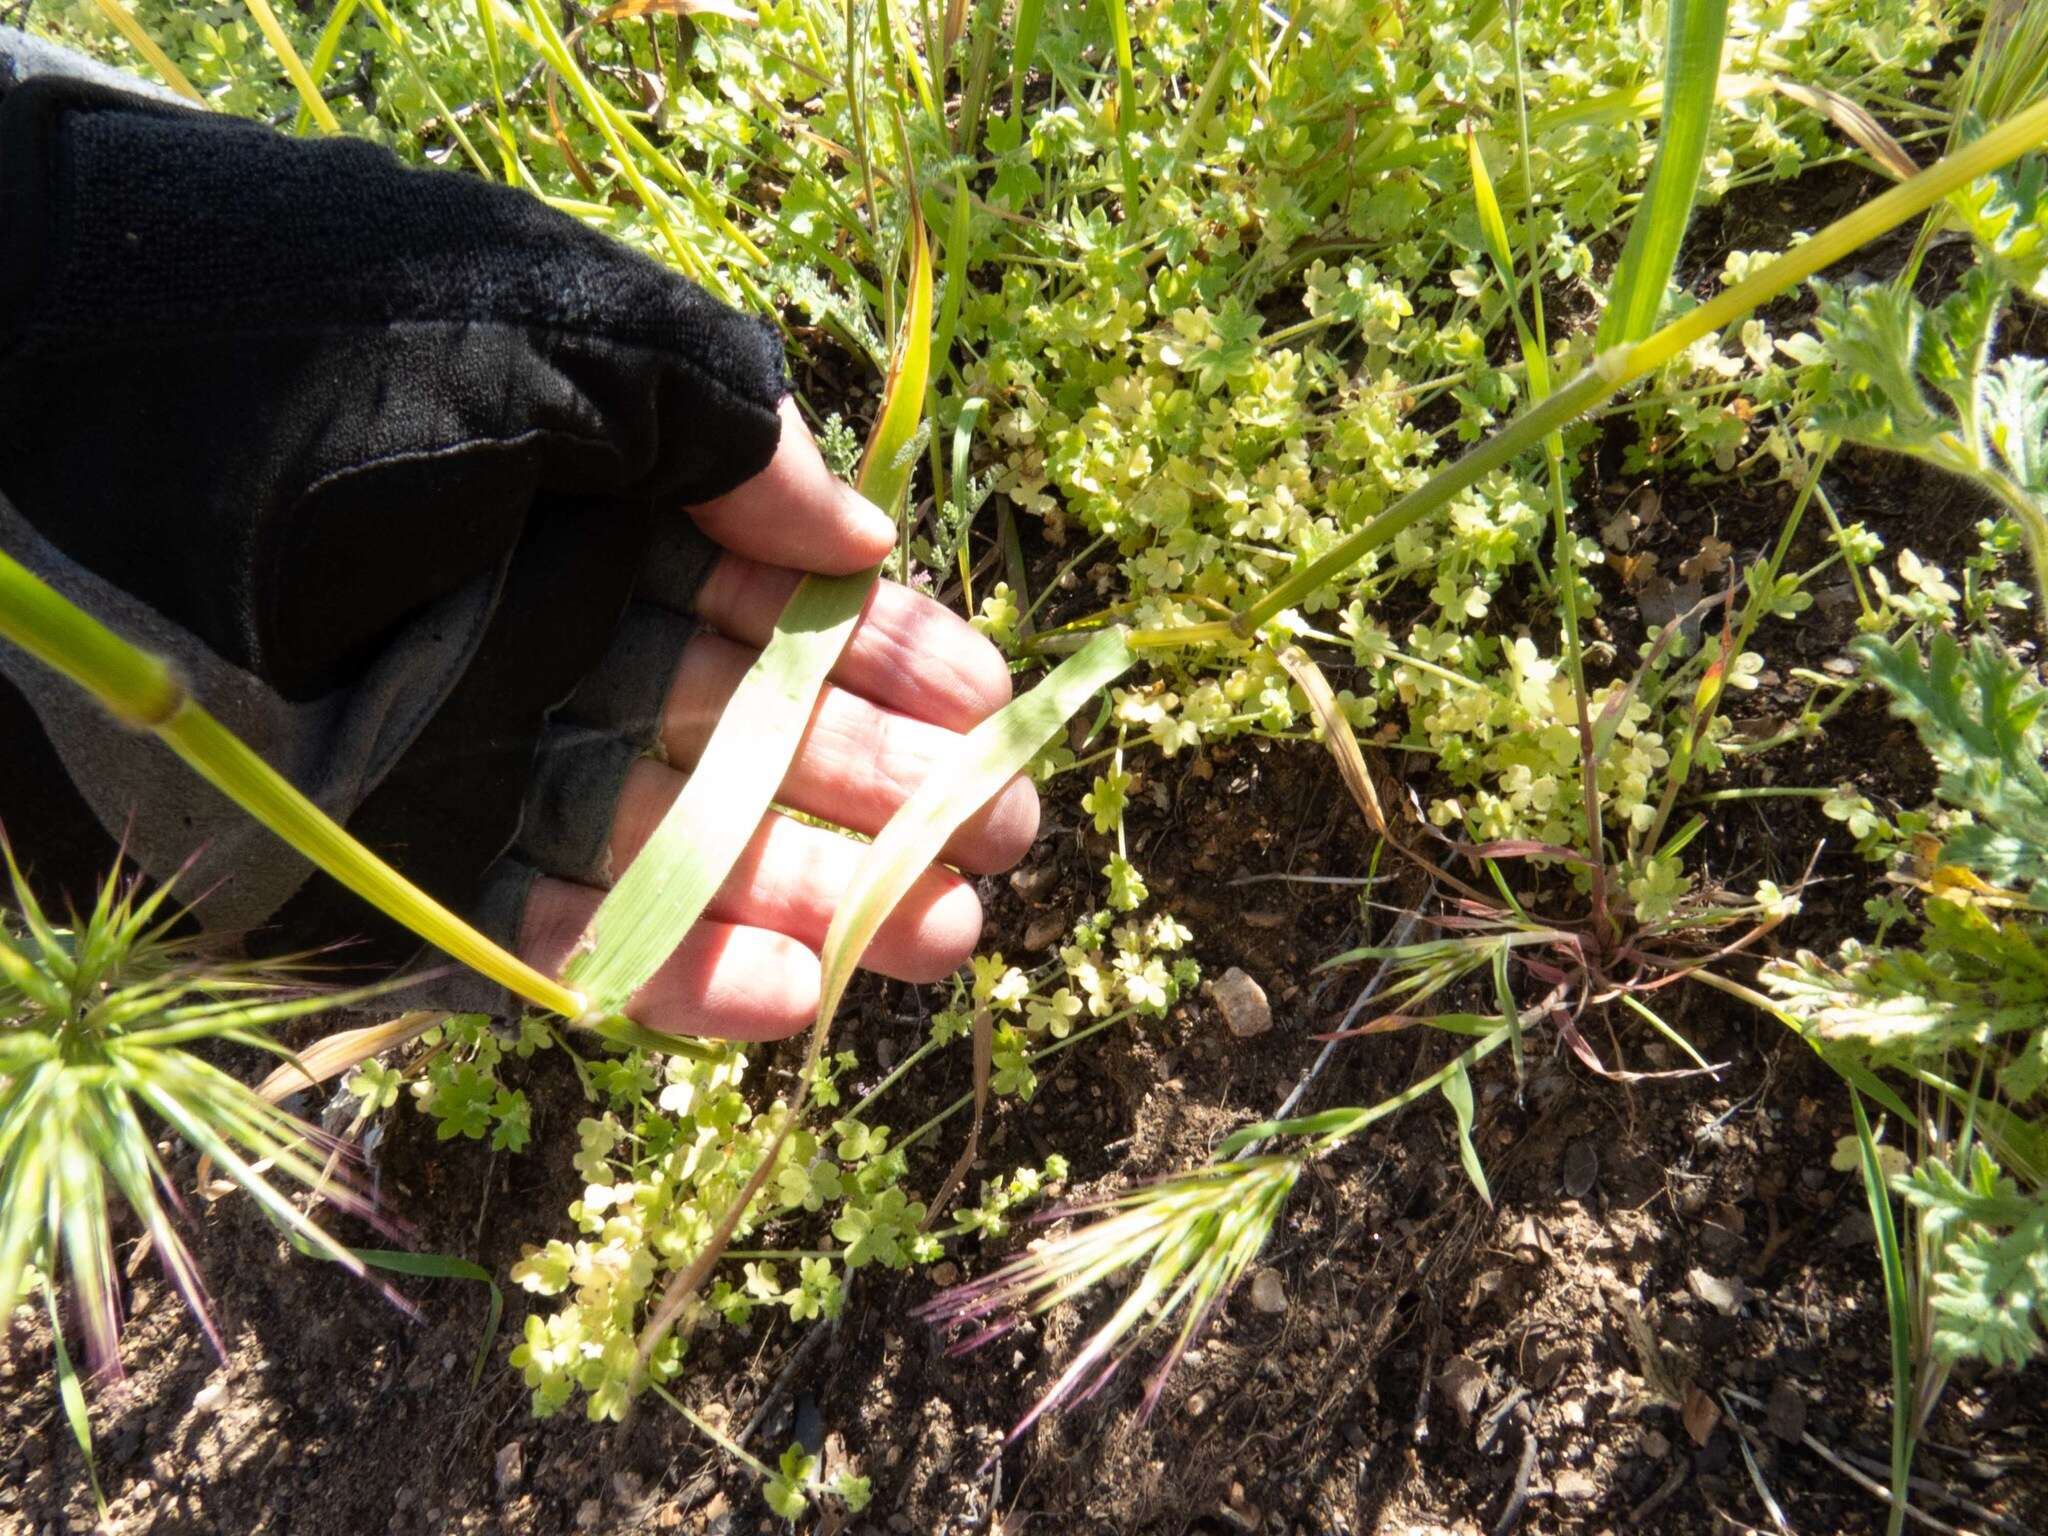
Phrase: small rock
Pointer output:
(1854, 1230)
(1527, 1241)
(1242, 1002)
(1656, 1445)
(210, 1396)
(1574, 1486)
(1724, 1296)
(1045, 931)
(1786, 1411)
(1581, 1169)
(1034, 880)
(1197, 1404)
(1463, 1384)
(627, 1487)
(1268, 1294)
(588, 1515)
(510, 1469)
(945, 1273)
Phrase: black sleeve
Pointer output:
(375, 450)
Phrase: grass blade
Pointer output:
(1458, 1094)
(334, 1054)
(445, 1266)
(1692, 71)
(1126, 102)
(1898, 1302)
(1023, 52)
(294, 67)
(666, 888)
(1615, 368)
(126, 24)
(980, 764)
(72, 1395)
(324, 52)
(138, 689)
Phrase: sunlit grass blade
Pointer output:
(324, 52)
(1692, 68)
(139, 39)
(1023, 52)
(958, 785)
(1126, 102)
(667, 886)
(293, 66)
(140, 690)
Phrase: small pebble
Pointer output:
(1786, 1411)
(1045, 931)
(1573, 1485)
(1581, 1169)
(210, 1396)
(945, 1273)
(1242, 1002)
(510, 1469)
(1197, 1404)
(1725, 1296)
(1268, 1294)
(588, 1514)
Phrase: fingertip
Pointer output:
(797, 513)
(945, 936)
(870, 534)
(1004, 830)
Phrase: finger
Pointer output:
(908, 653)
(797, 513)
(724, 979)
(792, 877)
(857, 762)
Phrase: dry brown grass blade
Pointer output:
(984, 1060)
(1351, 765)
(1855, 122)
(336, 1053)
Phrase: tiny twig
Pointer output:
(1756, 1471)
(1518, 1495)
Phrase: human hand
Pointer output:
(913, 677)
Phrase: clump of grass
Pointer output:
(98, 1017)
(1193, 1235)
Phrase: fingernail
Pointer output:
(869, 520)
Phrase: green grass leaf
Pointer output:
(667, 886)
(1692, 71)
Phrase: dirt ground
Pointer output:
(1661, 1260)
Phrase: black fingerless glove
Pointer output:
(373, 452)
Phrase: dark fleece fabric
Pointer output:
(290, 393)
